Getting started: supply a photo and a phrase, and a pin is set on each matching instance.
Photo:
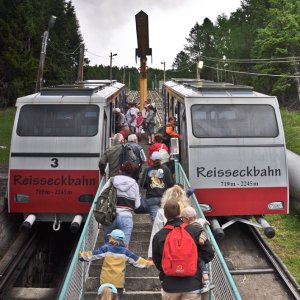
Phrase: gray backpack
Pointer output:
(105, 209)
(128, 154)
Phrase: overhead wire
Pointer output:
(290, 59)
(252, 73)
(179, 70)
(106, 56)
(64, 53)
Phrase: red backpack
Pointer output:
(180, 255)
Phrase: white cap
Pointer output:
(156, 156)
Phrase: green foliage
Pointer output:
(7, 118)
(22, 24)
(129, 76)
(259, 29)
(279, 38)
(291, 125)
(287, 240)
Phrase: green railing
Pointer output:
(74, 285)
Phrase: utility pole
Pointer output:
(111, 56)
(225, 75)
(296, 79)
(124, 76)
(224, 65)
(81, 62)
(129, 82)
(43, 55)
(164, 63)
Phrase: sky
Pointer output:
(108, 26)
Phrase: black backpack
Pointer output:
(105, 209)
(128, 154)
(166, 137)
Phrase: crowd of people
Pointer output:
(134, 121)
(168, 204)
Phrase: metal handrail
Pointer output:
(75, 262)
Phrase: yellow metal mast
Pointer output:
(141, 20)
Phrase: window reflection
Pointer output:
(233, 120)
(58, 120)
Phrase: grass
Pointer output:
(291, 125)
(286, 242)
(6, 124)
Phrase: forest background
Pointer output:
(257, 45)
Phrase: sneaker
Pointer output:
(207, 286)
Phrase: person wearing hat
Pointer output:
(107, 291)
(116, 255)
(160, 147)
(156, 179)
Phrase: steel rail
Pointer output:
(17, 262)
(279, 267)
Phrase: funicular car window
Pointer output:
(58, 120)
(233, 120)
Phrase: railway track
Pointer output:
(257, 271)
(34, 267)
(15, 260)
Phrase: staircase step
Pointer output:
(130, 295)
(135, 246)
(138, 295)
(136, 235)
(141, 218)
(143, 229)
(131, 271)
(131, 284)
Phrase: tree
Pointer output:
(201, 40)
(280, 38)
(21, 25)
(182, 66)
